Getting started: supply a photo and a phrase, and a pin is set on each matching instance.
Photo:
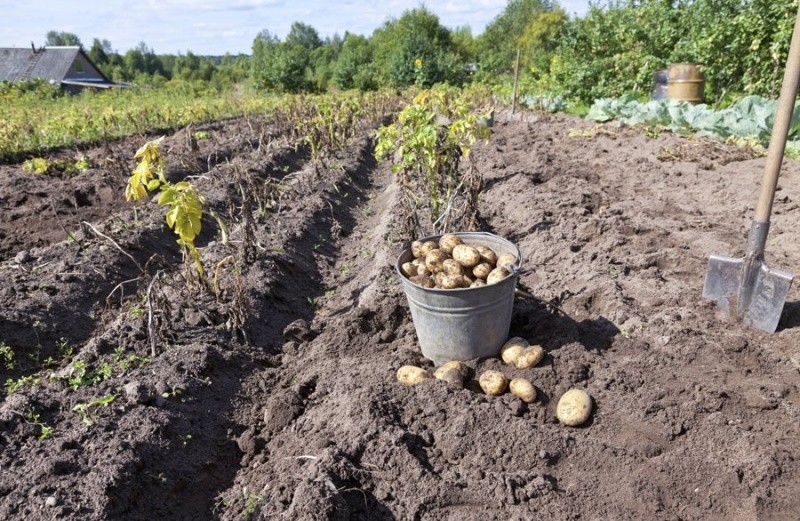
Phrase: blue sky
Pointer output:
(218, 26)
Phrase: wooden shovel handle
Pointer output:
(780, 129)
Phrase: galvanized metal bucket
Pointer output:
(464, 323)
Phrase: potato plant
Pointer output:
(427, 143)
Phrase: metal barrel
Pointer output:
(464, 323)
(685, 83)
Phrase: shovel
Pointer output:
(747, 289)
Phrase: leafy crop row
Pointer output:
(752, 117)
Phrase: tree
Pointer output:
(60, 38)
(303, 35)
(354, 68)
(99, 51)
(498, 43)
(278, 66)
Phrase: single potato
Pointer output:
(523, 389)
(493, 382)
(512, 349)
(434, 260)
(496, 275)
(428, 246)
(466, 281)
(477, 283)
(530, 357)
(461, 367)
(450, 281)
(409, 269)
(504, 259)
(452, 267)
(466, 255)
(448, 241)
(425, 282)
(412, 375)
(574, 407)
(482, 270)
(416, 249)
(453, 377)
(487, 255)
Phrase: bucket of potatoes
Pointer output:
(460, 290)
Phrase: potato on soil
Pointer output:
(523, 389)
(434, 260)
(412, 375)
(512, 349)
(447, 242)
(487, 255)
(409, 269)
(453, 377)
(574, 407)
(454, 364)
(493, 382)
(504, 259)
(482, 270)
(496, 275)
(452, 267)
(467, 256)
(530, 357)
(416, 249)
(477, 283)
(427, 247)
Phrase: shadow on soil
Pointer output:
(790, 318)
(544, 324)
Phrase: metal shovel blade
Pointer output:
(754, 296)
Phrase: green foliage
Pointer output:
(12, 386)
(61, 38)
(86, 410)
(37, 165)
(498, 44)
(354, 68)
(6, 356)
(278, 66)
(615, 49)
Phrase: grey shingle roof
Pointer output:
(49, 63)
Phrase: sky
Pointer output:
(214, 27)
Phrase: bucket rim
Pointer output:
(441, 291)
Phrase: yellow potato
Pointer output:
(487, 255)
(422, 270)
(425, 282)
(504, 259)
(461, 367)
(452, 267)
(574, 407)
(412, 375)
(493, 382)
(482, 270)
(447, 242)
(530, 357)
(477, 283)
(523, 389)
(409, 269)
(466, 281)
(427, 247)
(416, 249)
(467, 256)
(434, 260)
(496, 275)
(512, 349)
(438, 278)
(450, 281)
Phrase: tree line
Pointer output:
(613, 50)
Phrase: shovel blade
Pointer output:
(758, 306)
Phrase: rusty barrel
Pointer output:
(685, 82)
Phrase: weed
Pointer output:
(33, 418)
(200, 134)
(12, 386)
(85, 410)
(174, 392)
(6, 356)
(344, 268)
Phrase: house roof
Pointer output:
(49, 63)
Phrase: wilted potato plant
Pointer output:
(427, 141)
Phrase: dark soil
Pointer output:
(274, 393)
